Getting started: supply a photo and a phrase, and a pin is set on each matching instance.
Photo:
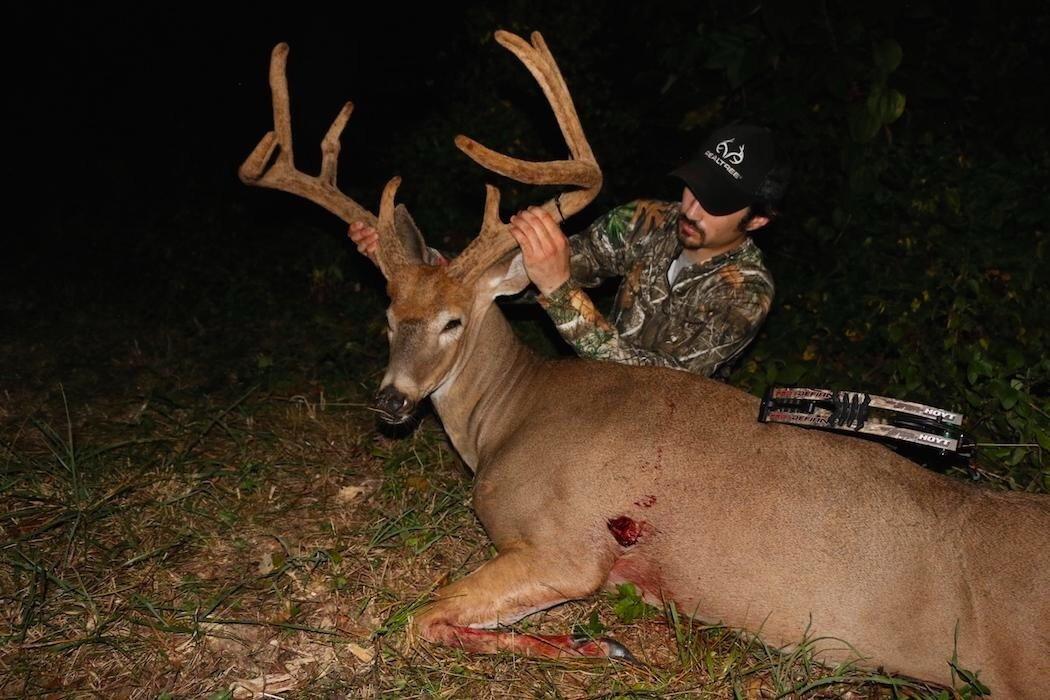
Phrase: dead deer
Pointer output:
(593, 474)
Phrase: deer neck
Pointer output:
(479, 402)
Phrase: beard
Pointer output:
(692, 238)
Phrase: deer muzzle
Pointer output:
(392, 405)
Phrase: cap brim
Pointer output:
(711, 188)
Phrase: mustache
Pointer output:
(692, 239)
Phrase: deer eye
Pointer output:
(452, 325)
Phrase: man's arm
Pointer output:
(602, 250)
(551, 259)
(729, 321)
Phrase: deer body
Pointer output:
(592, 474)
(756, 526)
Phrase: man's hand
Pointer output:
(544, 248)
(366, 239)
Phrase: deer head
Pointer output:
(434, 318)
(436, 310)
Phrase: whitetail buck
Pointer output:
(592, 474)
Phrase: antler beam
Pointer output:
(494, 241)
(272, 164)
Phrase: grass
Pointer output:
(201, 506)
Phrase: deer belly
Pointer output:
(635, 568)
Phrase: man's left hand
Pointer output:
(544, 248)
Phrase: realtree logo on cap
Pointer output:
(736, 157)
(724, 155)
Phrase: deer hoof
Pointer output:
(619, 651)
(613, 649)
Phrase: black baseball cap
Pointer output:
(730, 167)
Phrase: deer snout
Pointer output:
(393, 406)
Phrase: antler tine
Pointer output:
(391, 254)
(582, 170)
(264, 169)
(545, 71)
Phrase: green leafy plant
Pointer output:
(592, 627)
(628, 604)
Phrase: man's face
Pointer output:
(699, 229)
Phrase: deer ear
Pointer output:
(505, 276)
(416, 251)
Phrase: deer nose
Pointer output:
(393, 406)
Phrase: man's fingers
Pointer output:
(549, 237)
(524, 240)
(551, 226)
(366, 238)
(360, 231)
(540, 237)
(545, 218)
(543, 250)
(531, 241)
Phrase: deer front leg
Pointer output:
(516, 583)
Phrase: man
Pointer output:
(694, 289)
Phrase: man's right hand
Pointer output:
(366, 238)
(544, 248)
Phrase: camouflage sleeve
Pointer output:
(720, 331)
(601, 250)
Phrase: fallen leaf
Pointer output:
(363, 655)
(262, 686)
(300, 665)
(351, 493)
(417, 482)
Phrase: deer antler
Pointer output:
(262, 169)
(494, 240)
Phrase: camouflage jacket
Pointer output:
(699, 325)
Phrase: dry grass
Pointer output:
(175, 526)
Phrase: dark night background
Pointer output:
(910, 261)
